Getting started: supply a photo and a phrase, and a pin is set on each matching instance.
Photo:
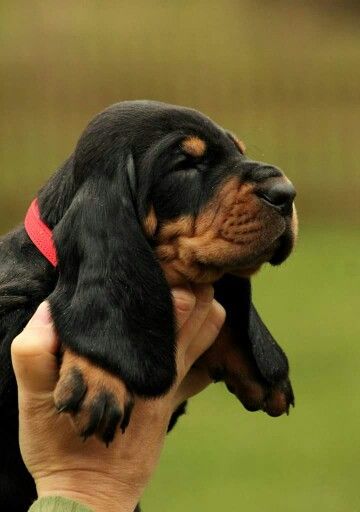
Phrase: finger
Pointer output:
(195, 381)
(207, 333)
(204, 295)
(184, 302)
(33, 353)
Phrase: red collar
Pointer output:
(40, 234)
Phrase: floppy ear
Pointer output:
(112, 303)
(234, 293)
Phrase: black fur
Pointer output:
(26, 279)
(109, 298)
(104, 282)
(234, 293)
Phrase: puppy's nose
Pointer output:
(278, 193)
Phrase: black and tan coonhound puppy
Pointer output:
(153, 196)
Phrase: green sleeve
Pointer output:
(58, 504)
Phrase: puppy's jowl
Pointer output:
(154, 195)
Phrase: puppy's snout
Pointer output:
(278, 193)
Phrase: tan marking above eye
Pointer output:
(194, 146)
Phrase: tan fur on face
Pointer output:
(181, 267)
(230, 229)
(194, 146)
(183, 226)
(150, 223)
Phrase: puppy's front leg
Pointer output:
(245, 355)
(97, 401)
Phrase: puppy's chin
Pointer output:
(245, 272)
(276, 254)
(285, 244)
(188, 261)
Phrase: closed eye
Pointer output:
(186, 163)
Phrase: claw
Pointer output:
(97, 401)
(127, 413)
(70, 391)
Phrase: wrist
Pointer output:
(97, 491)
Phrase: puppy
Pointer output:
(153, 196)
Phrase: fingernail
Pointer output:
(41, 316)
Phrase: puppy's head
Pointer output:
(155, 194)
(204, 206)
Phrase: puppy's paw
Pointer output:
(279, 398)
(242, 377)
(255, 394)
(236, 366)
(97, 401)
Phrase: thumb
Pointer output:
(184, 302)
(33, 354)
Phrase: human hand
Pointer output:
(104, 478)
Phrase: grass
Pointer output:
(221, 457)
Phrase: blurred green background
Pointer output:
(285, 77)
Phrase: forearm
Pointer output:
(93, 490)
(61, 504)
(58, 504)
